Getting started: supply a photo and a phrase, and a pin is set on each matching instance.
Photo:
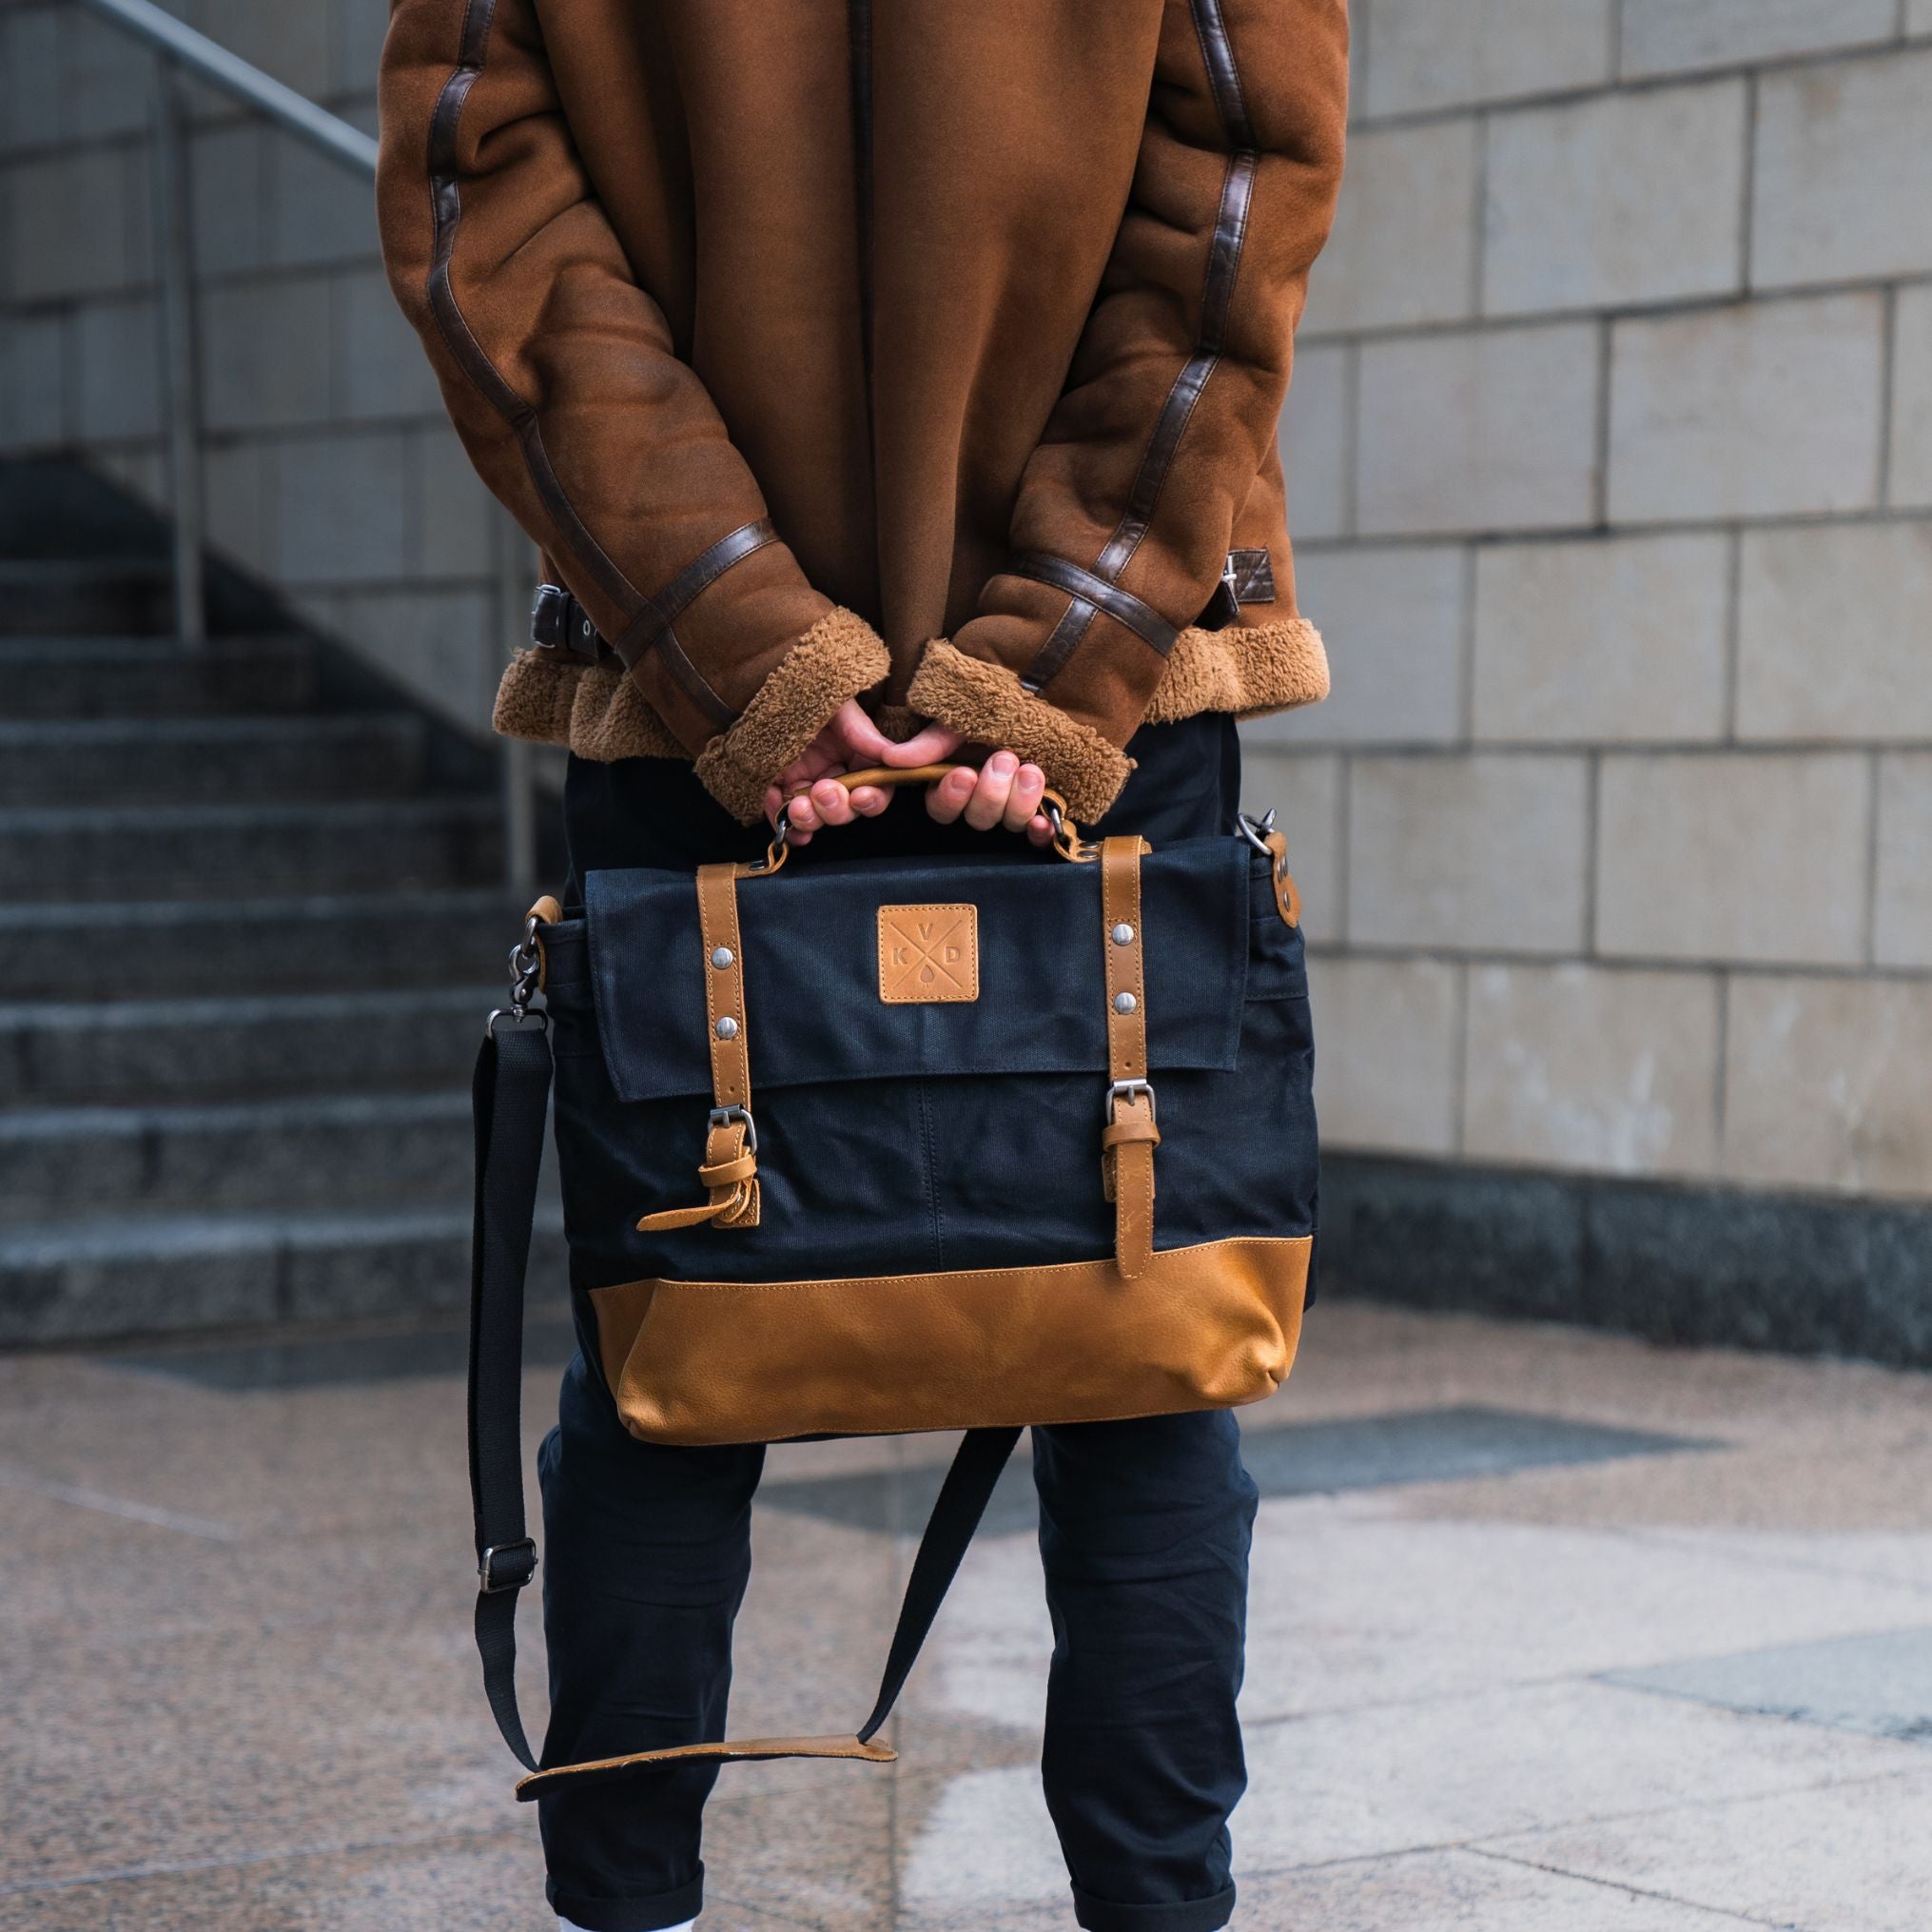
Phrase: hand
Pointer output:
(851, 741)
(1003, 793)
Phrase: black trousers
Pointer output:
(1144, 1525)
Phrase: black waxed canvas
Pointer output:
(876, 1156)
(810, 960)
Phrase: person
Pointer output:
(882, 383)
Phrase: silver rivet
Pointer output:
(1125, 1002)
(722, 958)
(1123, 934)
(728, 1028)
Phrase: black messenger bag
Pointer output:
(897, 1145)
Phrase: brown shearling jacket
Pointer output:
(921, 350)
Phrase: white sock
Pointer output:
(564, 1925)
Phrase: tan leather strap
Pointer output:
(724, 986)
(888, 776)
(1129, 1136)
(743, 1750)
(1287, 898)
(1066, 839)
(729, 1169)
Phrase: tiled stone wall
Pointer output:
(331, 467)
(1610, 462)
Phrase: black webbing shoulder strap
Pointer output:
(510, 1097)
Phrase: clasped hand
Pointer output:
(1004, 792)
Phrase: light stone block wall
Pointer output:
(1609, 462)
(1610, 459)
(332, 472)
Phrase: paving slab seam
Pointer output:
(123, 1507)
(293, 1854)
(1603, 1680)
(1633, 1890)
(1370, 1860)
(1899, 1773)
(1483, 1844)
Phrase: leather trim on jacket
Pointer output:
(1224, 264)
(446, 198)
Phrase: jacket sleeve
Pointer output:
(560, 375)
(1126, 510)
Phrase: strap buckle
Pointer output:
(520, 1566)
(723, 1117)
(561, 624)
(1130, 1090)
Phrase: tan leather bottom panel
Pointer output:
(746, 1750)
(1206, 1327)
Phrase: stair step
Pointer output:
(108, 676)
(325, 944)
(239, 1048)
(244, 760)
(141, 1275)
(70, 595)
(330, 1150)
(197, 852)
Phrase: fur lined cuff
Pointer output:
(986, 705)
(840, 656)
(594, 708)
(1244, 670)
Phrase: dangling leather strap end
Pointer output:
(668, 1219)
(729, 1173)
(1127, 1143)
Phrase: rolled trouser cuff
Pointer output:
(1190, 1915)
(628, 1914)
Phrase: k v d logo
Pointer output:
(928, 953)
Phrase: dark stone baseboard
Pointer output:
(1699, 1265)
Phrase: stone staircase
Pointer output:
(255, 919)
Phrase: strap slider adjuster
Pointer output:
(506, 1566)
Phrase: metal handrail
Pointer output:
(212, 62)
(183, 51)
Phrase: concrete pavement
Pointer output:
(1551, 1630)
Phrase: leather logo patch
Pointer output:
(928, 953)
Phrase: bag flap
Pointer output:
(810, 937)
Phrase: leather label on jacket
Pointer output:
(928, 953)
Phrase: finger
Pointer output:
(774, 805)
(814, 762)
(804, 814)
(833, 801)
(1039, 832)
(947, 799)
(987, 804)
(868, 801)
(867, 742)
(1023, 802)
(924, 748)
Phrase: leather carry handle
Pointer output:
(1066, 839)
(888, 776)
